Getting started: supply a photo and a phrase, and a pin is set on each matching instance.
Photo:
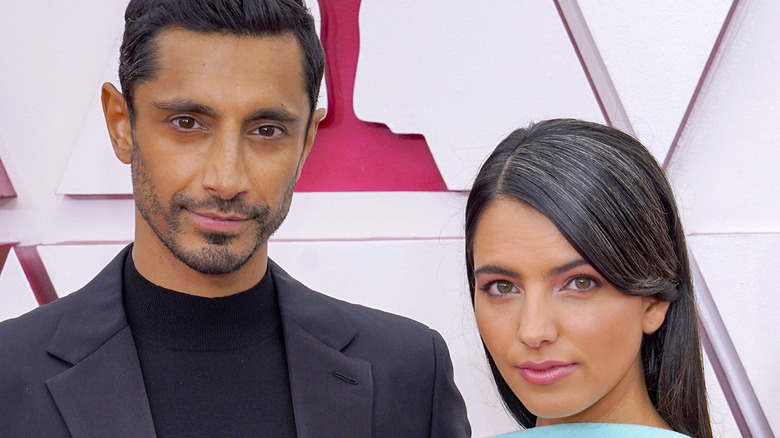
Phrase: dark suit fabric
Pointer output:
(70, 368)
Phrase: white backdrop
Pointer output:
(464, 75)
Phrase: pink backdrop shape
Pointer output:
(6, 188)
(349, 154)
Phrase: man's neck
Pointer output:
(155, 262)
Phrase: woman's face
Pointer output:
(566, 341)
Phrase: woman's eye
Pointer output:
(186, 123)
(581, 284)
(500, 288)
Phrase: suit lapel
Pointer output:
(332, 393)
(103, 393)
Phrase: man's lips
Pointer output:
(546, 372)
(217, 221)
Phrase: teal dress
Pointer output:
(588, 430)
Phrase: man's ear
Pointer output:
(118, 122)
(316, 118)
(654, 314)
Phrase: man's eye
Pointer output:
(268, 131)
(186, 122)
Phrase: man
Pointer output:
(192, 330)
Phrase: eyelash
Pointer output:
(594, 283)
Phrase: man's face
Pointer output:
(219, 138)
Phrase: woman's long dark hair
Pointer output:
(609, 198)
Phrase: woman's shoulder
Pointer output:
(585, 430)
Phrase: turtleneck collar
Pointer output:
(176, 320)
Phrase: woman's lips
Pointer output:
(545, 373)
(217, 222)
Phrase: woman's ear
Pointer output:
(654, 314)
(118, 122)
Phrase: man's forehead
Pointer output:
(178, 36)
(215, 64)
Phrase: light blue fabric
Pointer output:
(588, 430)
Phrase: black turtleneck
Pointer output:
(211, 366)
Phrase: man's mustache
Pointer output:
(233, 206)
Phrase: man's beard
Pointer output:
(215, 256)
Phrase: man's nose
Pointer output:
(225, 171)
(537, 320)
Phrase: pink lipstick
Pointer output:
(545, 373)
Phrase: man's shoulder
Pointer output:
(37, 326)
(387, 333)
(377, 331)
(308, 303)
(24, 343)
(364, 317)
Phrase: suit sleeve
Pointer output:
(448, 415)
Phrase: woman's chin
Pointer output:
(546, 414)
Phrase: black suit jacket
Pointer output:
(70, 368)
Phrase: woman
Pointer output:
(579, 277)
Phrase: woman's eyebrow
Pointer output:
(495, 269)
(565, 267)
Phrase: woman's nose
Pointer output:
(536, 317)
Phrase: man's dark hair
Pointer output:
(145, 19)
(611, 201)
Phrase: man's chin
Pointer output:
(215, 264)
(213, 259)
(219, 239)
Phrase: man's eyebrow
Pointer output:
(276, 114)
(186, 106)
